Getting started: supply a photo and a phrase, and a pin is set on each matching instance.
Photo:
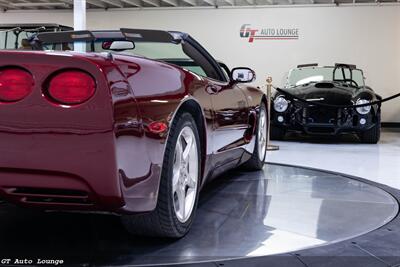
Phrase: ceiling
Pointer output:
(119, 4)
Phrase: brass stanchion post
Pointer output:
(270, 147)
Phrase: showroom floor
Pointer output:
(245, 215)
(379, 163)
(240, 215)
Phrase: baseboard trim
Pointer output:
(390, 124)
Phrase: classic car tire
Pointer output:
(256, 162)
(372, 135)
(277, 133)
(164, 221)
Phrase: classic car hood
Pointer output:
(324, 92)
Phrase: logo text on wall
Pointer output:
(253, 34)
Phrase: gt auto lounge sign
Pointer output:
(253, 34)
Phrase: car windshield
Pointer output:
(300, 76)
(173, 53)
(167, 52)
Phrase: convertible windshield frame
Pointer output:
(190, 47)
(313, 73)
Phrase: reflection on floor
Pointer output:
(242, 214)
(379, 163)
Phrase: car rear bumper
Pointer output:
(60, 171)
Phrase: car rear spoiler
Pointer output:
(134, 35)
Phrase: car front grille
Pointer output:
(321, 115)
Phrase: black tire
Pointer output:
(162, 221)
(255, 163)
(372, 135)
(277, 133)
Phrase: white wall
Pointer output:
(368, 36)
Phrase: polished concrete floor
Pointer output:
(241, 214)
(379, 163)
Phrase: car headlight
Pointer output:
(281, 104)
(363, 110)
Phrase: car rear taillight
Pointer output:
(71, 87)
(15, 84)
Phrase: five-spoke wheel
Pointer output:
(179, 184)
(257, 160)
(185, 174)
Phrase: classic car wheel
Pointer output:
(277, 133)
(372, 135)
(256, 162)
(179, 186)
(185, 174)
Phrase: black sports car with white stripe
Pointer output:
(318, 101)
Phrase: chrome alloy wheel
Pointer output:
(262, 134)
(185, 174)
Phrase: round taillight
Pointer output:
(15, 84)
(71, 87)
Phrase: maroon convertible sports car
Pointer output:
(134, 126)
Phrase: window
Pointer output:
(317, 74)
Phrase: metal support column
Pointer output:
(79, 22)
(269, 88)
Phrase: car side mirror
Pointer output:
(243, 75)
